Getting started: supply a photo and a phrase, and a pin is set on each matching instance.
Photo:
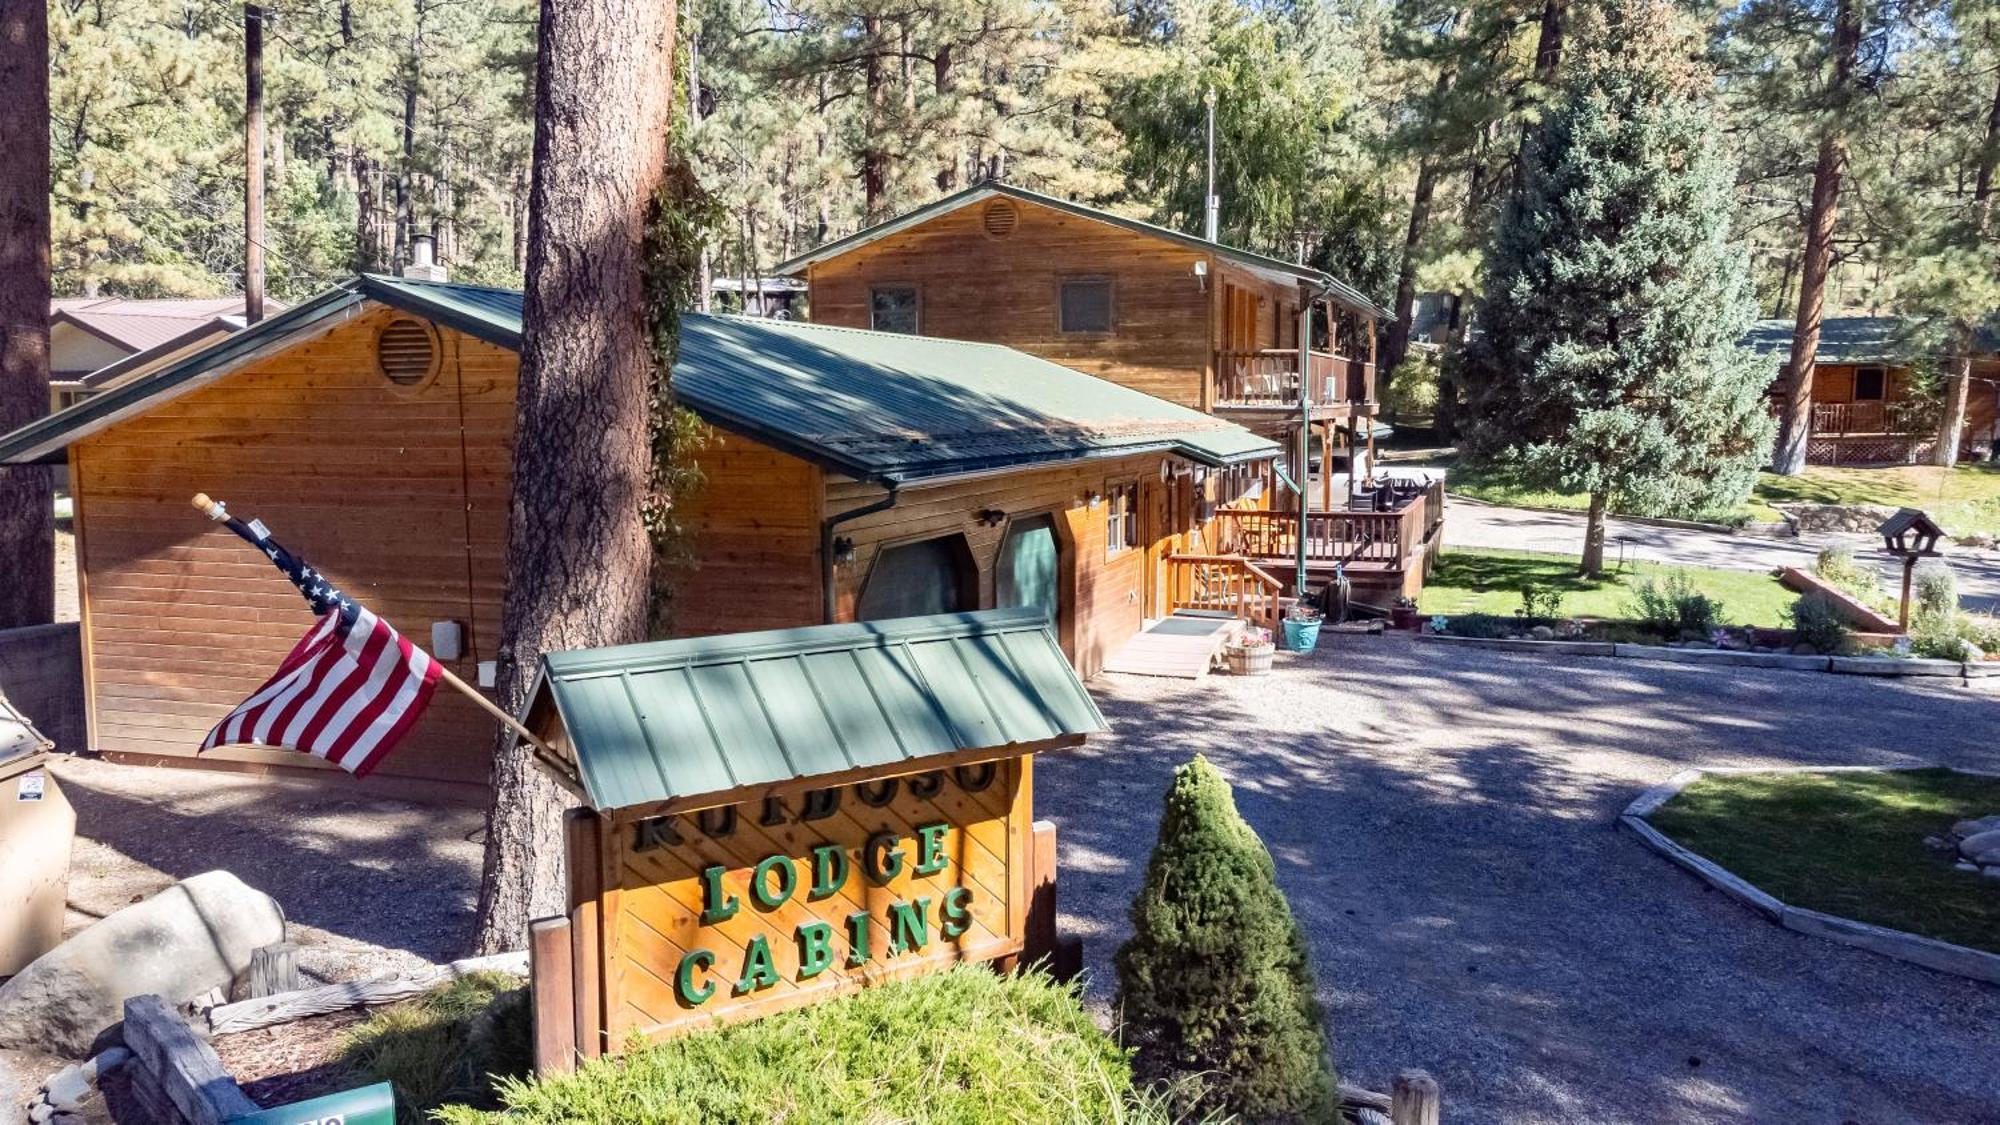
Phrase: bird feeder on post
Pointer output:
(1910, 535)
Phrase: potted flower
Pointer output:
(1250, 653)
(1301, 626)
(1403, 614)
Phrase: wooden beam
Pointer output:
(1039, 934)
(182, 1067)
(1414, 1100)
(248, 1015)
(584, 841)
(551, 976)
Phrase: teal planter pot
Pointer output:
(1301, 636)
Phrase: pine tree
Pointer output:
(1215, 981)
(1609, 361)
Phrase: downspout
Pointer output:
(826, 527)
(1307, 295)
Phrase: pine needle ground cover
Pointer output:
(963, 1046)
(1476, 581)
(1849, 844)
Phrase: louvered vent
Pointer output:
(1000, 218)
(406, 352)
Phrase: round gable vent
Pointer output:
(1000, 218)
(407, 352)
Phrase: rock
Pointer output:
(40, 1112)
(1542, 633)
(1961, 865)
(68, 1087)
(1698, 644)
(190, 938)
(1992, 871)
(1939, 844)
(1974, 827)
(1804, 649)
(1982, 849)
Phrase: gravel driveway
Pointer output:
(1442, 820)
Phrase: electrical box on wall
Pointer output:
(447, 640)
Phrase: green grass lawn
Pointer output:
(1849, 844)
(1476, 581)
(1965, 500)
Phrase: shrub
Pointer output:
(963, 1045)
(1215, 981)
(1936, 593)
(1413, 392)
(1541, 602)
(1672, 607)
(1836, 565)
(1937, 637)
(448, 1045)
(1817, 622)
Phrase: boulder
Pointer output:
(1542, 633)
(190, 938)
(1965, 829)
(1982, 849)
(1804, 649)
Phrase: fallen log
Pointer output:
(284, 1007)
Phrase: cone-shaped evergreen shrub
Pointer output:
(1215, 981)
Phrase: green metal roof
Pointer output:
(876, 405)
(673, 720)
(1340, 290)
(1859, 339)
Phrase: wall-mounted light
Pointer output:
(843, 551)
(992, 517)
(1201, 273)
(1093, 498)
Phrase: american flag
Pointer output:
(350, 689)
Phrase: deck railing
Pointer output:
(1269, 378)
(1857, 418)
(1226, 583)
(1341, 536)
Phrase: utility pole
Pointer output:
(1212, 204)
(253, 163)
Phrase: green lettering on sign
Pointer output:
(857, 939)
(698, 960)
(930, 848)
(815, 949)
(759, 971)
(829, 870)
(957, 912)
(909, 929)
(717, 904)
(881, 857)
(760, 881)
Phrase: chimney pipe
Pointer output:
(423, 265)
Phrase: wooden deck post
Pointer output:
(1414, 1099)
(552, 984)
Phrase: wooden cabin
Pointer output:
(1863, 411)
(1199, 323)
(850, 475)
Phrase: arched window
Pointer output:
(1030, 569)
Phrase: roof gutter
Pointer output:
(826, 542)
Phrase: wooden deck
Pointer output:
(1182, 647)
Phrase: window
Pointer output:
(893, 308)
(1121, 523)
(1869, 383)
(1030, 571)
(913, 579)
(1086, 305)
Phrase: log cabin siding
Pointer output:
(973, 286)
(753, 525)
(399, 495)
(1104, 593)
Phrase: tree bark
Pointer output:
(27, 500)
(1398, 344)
(1951, 422)
(1795, 423)
(874, 155)
(578, 558)
(1592, 564)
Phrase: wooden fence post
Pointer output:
(584, 837)
(274, 969)
(553, 991)
(1414, 1099)
(1039, 942)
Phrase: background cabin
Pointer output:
(849, 476)
(1209, 326)
(1865, 411)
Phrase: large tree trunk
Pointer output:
(1398, 343)
(27, 507)
(1592, 564)
(578, 558)
(1951, 423)
(1795, 423)
(874, 150)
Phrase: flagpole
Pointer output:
(215, 511)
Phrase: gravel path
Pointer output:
(1442, 820)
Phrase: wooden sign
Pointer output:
(800, 894)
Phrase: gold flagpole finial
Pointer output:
(213, 509)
